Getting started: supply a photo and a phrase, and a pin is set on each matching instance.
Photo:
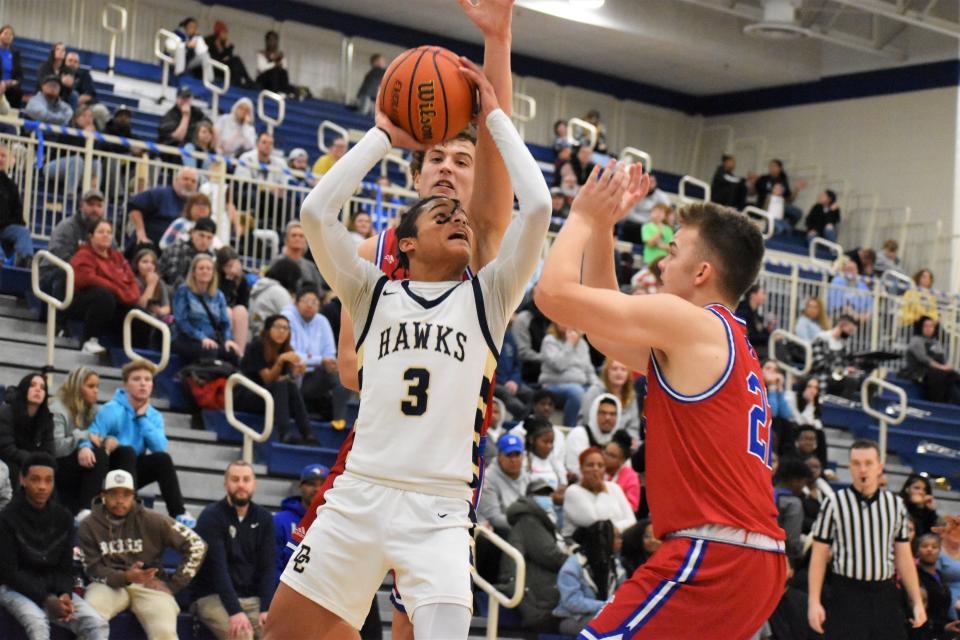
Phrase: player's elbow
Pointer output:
(549, 297)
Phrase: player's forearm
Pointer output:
(903, 559)
(817, 571)
(560, 277)
(598, 261)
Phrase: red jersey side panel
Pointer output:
(709, 455)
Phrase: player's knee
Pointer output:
(440, 621)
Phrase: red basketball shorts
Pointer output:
(694, 588)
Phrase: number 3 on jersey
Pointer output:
(415, 404)
(758, 429)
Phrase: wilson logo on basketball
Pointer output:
(426, 95)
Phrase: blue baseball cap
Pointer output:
(509, 443)
(314, 472)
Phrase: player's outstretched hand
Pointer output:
(600, 198)
(488, 97)
(637, 190)
(492, 17)
(398, 137)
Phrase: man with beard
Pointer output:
(152, 211)
(235, 584)
(67, 237)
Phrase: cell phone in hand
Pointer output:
(153, 564)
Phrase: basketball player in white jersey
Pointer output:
(427, 348)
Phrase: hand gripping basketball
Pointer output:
(488, 97)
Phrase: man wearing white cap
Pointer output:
(123, 544)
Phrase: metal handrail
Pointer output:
(586, 126)
(270, 237)
(400, 161)
(783, 334)
(682, 191)
(53, 304)
(146, 318)
(114, 31)
(817, 241)
(160, 40)
(249, 434)
(281, 101)
(896, 275)
(211, 86)
(646, 161)
(498, 599)
(883, 417)
(756, 212)
(333, 126)
(520, 116)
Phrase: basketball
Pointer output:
(424, 93)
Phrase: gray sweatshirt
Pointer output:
(267, 297)
(562, 363)
(499, 492)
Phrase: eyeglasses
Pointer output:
(282, 327)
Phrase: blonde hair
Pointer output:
(70, 395)
(821, 316)
(192, 281)
(626, 392)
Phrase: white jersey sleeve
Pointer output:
(504, 280)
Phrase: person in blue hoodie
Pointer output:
(131, 432)
(291, 512)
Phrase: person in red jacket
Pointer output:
(104, 287)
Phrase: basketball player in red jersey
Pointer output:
(721, 569)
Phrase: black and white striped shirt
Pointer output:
(861, 532)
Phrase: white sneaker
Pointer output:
(93, 347)
(186, 519)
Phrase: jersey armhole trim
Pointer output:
(377, 289)
(731, 358)
(482, 317)
(378, 259)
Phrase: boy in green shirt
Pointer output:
(656, 235)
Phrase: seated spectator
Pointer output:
(776, 175)
(590, 576)
(823, 219)
(46, 105)
(601, 423)
(271, 362)
(68, 168)
(129, 426)
(560, 207)
(534, 534)
(616, 454)
(367, 93)
(921, 301)
(594, 498)
(196, 207)
(235, 584)
(566, 179)
(849, 294)
(812, 321)
(792, 477)
(819, 488)
(221, 49)
(614, 380)
(297, 160)
(201, 321)
(510, 388)
(727, 188)
(361, 227)
(203, 142)
(26, 426)
(774, 381)
(69, 234)
(806, 443)
(235, 133)
(123, 545)
(120, 125)
(236, 290)
(541, 464)
(291, 512)
(14, 233)
(313, 341)
(529, 327)
(864, 258)
(582, 162)
(775, 206)
(505, 482)
(325, 162)
(152, 211)
(178, 125)
(295, 248)
(11, 71)
(272, 293)
(154, 292)
(260, 164)
(639, 544)
(176, 259)
(647, 280)
(83, 85)
(560, 141)
(543, 408)
(495, 429)
(805, 403)
(887, 259)
(759, 327)
(593, 117)
(36, 559)
(917, 494)
(941, 606)
(656, 235)
(190, 53)
(272, 67)
(81, 469)
(632, 227)
(105, 288)
(927, 364)
(566, 369)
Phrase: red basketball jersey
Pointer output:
(709, 455)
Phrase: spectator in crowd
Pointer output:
(727, 188)
(190, 52)
(614, 380)
(510, 388)
(566, 179)
(152, 211)
(774, 381)
(313, 341)
(235, 133)
(566, 368)
(13, 229)
(272, 293)
(154, 292)
(120, 125)
(887, 259)
(776, 175)
(593, 117)
(6, 486)
(595, 498)
(178, 125)
(325, 162)
(53, 65)
(360, 227)
(589, 576)
(535, 535)
(939, 602)
(46, 106)
(176, 259)
(11, 71)
(83, 85)
(560, 140)
(36, 559)
(26, 425)
(917, 494)
(816, 490)
(80, 469)
(495, 429)
(812, 321)
(949, 566)
(823, 218)
(261, 164)
(805, 403)
(639, 544)
(560, 206)
(272, 67)
(196, 207)
(849, 294)
(271, 362)
(806, 443)
(601, 422)
(632, 227)
(297, 160)
(236, 582)
(647, 280)
(529, 327)
(69, 234)
(367, 93)
(202, 323)
(542, 463)
(233, 284)
(921, 301)
(616, 454)
(775, 206)
(543, 408)
(203, 142)
(656, 234)
(295, 249)
(582, 162)
(129, 426)
(927, 364)
(504, 483)
(864, 258)
(123, 544)
(793, 475)
(68, 169)
(221, 49)
(288, 518)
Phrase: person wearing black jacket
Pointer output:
(36, 560)
(726, 188)
(824, 217)
(26, 425)
(750, 311)
(13, 228)
(236, 582)
(367, 93)
(11, 71)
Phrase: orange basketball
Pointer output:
(424, 93)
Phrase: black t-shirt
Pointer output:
(254, 361)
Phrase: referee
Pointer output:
(865, 528)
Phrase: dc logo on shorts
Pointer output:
(302, 558)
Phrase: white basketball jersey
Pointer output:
(426, 358)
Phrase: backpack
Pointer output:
(206, 381)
